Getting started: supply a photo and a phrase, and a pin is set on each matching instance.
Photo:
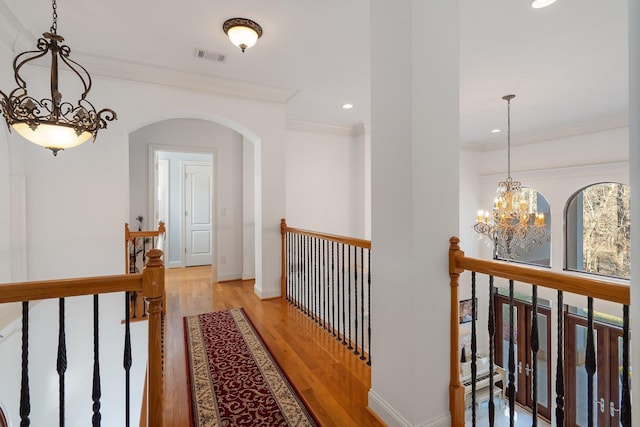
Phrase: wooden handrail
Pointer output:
(458, 263)
(150, 283)
(361, 243)
(46, 289)
(580, 285)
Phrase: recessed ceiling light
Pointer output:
(347, 106)
(538, 4)
(495, 131)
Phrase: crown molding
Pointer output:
(13, 34)
(573, 129)
(295, 123)
(164, 76)
(18, 38)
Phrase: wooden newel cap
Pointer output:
(283, 225)
(155, 258)
(161, 228)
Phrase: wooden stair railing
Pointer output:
(149, 283)
(560, 282)
(136, 245)
(328, 278)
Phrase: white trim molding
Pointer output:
(389, 415)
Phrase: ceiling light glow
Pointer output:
(347, 106)
(495, 130)
(539, 4)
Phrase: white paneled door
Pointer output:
(198, 214)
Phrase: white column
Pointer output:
(634, 165)
(414, 193)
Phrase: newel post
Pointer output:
(283, 258)
(153, 283)
(456, 390)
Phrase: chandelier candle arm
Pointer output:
(513, 225)
(53, 123)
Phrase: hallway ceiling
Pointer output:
(566, 63)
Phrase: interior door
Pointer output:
(198, 214)
(523, 315)
(607, 379)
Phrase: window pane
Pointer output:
(598, 230)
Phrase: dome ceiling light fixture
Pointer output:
(539, 4)
(51, 122)
(242, 32)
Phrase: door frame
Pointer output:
(183, 204)
(153, 150)
(606, 343)
(523, 326)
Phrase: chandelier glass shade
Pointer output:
(242, 32)
(52, 122)
(513, 224)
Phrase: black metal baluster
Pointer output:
(333, 289)
(362, 356)
(126, 363)
(535, 346)
(299, 272)
(61, 362)
(340, 256)
(318, 286)
(296, 269)
(344, 319)
(511, 390)
(96, 392)
(290, 267)
(305, 278)
(324, 285)
(369, 304)
(474, 350)
(350, 347)
(625, 401)
(491, 327)
(590, 362)
(25, 399)
(326, 277)
(560, 364)
(355, 297)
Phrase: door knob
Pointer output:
(613, 409)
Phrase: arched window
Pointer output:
(598, 230)
(537, 253)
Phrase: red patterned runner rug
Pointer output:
(234, 379)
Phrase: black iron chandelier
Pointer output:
(51, 122)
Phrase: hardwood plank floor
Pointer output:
(332, 381)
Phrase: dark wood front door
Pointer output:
(524, 375)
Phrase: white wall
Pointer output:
(325, 182)
(415, 170)
(196, 135)
(78, 201)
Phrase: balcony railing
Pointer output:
(619, 410)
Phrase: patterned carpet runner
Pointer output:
(234, 379)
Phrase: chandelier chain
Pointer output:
(508, 138)
(54, 25)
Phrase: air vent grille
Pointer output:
(211, 56)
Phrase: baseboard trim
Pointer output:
(392, 418)
(229, 277)
(383, 410)
(174, 264)
(265, 295)
(249, 276)
(443, 421)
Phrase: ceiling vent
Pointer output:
(211, 56)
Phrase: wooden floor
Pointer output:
(333, 382)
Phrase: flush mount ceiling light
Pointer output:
(347, 106)
(51, 122)
(242, 32)
(538, 4)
